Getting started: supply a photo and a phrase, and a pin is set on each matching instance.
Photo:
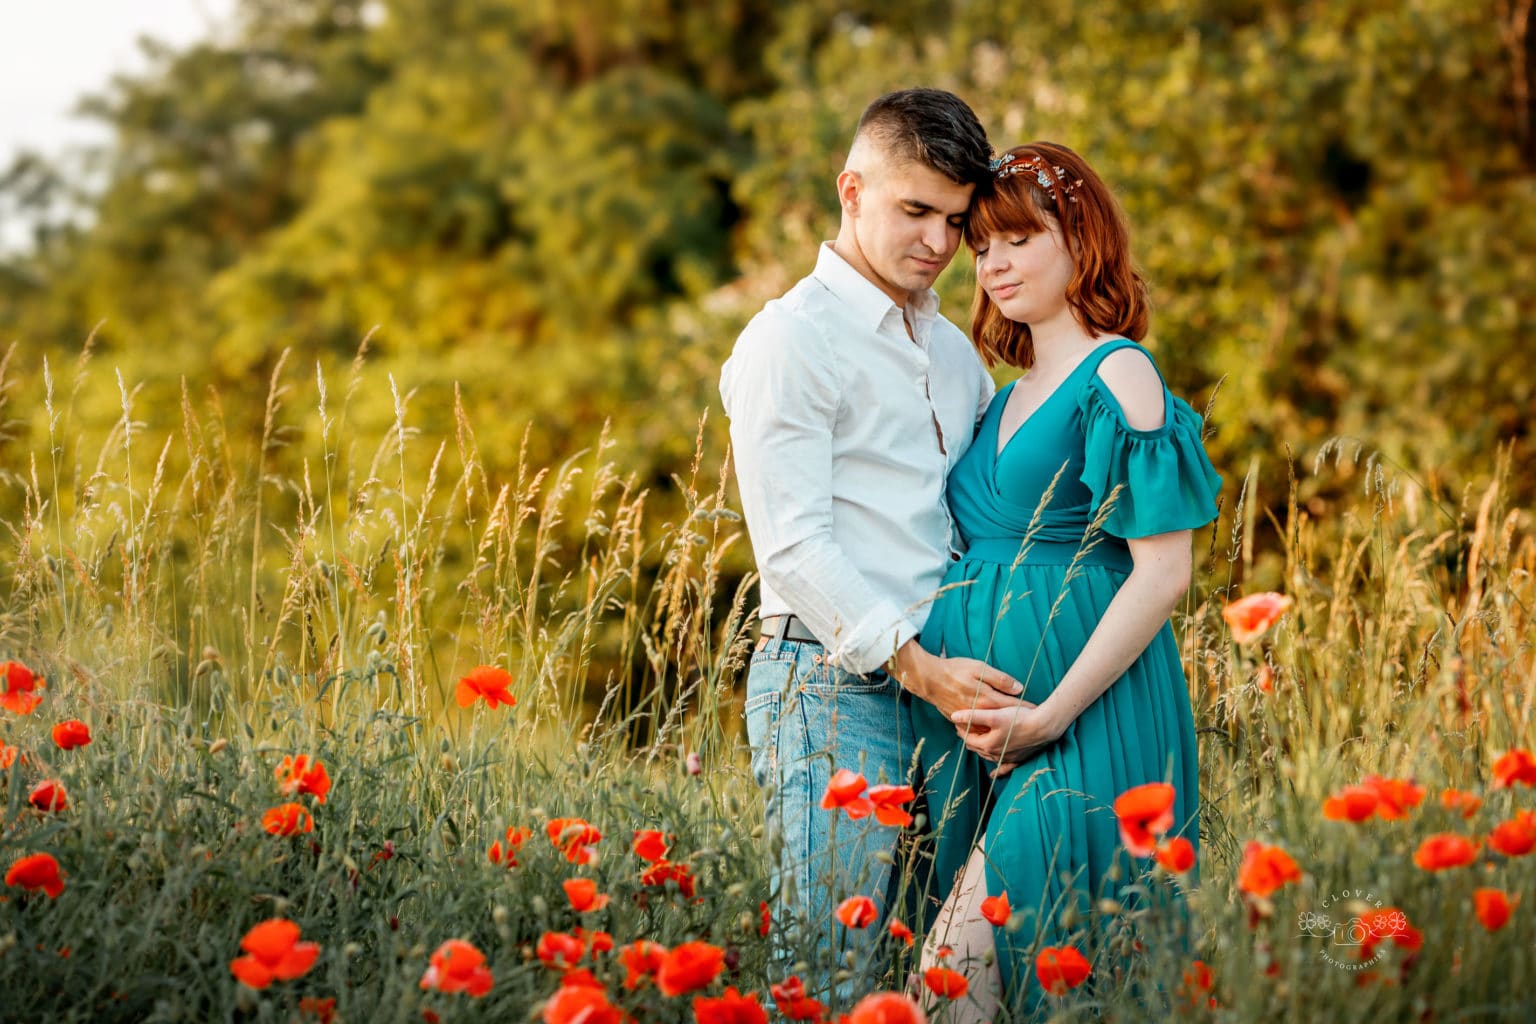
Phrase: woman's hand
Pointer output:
(1008, 736)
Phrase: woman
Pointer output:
(1076, 500)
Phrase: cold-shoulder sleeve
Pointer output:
(1165, 480)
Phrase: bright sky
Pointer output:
(54, 51)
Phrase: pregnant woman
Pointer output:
(1076, 502)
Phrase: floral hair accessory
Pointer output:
(1050, 179)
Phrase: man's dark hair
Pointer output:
(933, 127)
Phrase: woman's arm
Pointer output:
(1160, 575)
(1159, 578)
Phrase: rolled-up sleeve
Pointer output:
(781, 390)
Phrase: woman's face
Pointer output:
(1026, 275)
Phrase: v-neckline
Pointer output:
(999, 446)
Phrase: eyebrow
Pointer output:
(929, 208)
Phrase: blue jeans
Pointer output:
(805, 720)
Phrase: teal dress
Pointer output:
(1046, 555)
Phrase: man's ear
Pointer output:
(850, 188)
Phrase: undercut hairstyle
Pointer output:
(932, 127)
(1107, 294)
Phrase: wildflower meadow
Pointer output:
(399, 739)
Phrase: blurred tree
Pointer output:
(570, 206)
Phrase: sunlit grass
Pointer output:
(207, 617)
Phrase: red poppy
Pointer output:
(37, 871)
(996, 909)
(1394, 797)
(1265, 869)
(49, 795)
(900, 931)
(597, 941)
(18, 688)
(1176, 855)
(1265, 680)
(1519, 765)
(888, 800)
(1197, 985)
(1060, 968)
(580, 1004)
(942, 981)
(1493, 907)
(767, 918)
(688, 967)
(1144, 812)
(1445, 850)
(516, 837)
(1388, 923)
(583, 894)
(886, 1008)
(457, 966)
(323, 1010)
(730, 1008)
(574, 837)
(71, 733)
(273, 953)
(579, 976)
(1465, 804)
(650, 845)
(641, 959)
(559, 950)
(1515, 837)
(663, 871)
(303, 774)
(287, 819)
(9, 755)
(857, 912)
(485, 683)
(1352, 803)
(1250, 617)
(789, 996)
(845, 790)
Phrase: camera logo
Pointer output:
(1353, 929)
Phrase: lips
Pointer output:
(1004, 292)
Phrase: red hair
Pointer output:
(1107, 294)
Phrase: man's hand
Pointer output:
(1008, 736)
(954, 684)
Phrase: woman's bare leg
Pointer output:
(961, 927)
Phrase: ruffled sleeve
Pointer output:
(1165, 480)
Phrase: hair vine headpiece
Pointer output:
(1058, 186)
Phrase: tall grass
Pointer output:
(207, 615)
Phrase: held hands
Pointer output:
(954, 684)
(1007, 736)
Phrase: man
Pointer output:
(850, 398)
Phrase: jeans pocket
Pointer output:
(830, 681)
(762, 714)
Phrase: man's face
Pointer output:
(908, 224)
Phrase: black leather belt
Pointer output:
(785, 627)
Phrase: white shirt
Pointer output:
(836, 419)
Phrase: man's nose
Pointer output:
(941, 237)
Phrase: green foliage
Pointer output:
(556, 204)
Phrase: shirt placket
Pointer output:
(923, 366)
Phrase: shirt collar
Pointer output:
(864, 297)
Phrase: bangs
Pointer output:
(1011, 206)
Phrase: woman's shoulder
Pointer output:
(1131, 377)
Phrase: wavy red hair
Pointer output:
(1107, 294)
